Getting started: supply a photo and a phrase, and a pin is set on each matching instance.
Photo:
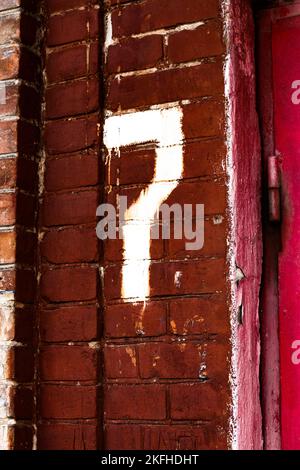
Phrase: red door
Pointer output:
(284, 24)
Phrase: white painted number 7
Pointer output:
(163, 127)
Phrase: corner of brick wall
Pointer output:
(167, 359)
(20, 123)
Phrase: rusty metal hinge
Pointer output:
(274, 184)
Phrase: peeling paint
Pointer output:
(243, 164)
(132, 355)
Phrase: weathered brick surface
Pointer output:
(68, 363)
(165, 86)
(171, 352)
(68, 402)
(72, 323)
(69, 367)
(159, 366)
(70, 436)
(128, 402)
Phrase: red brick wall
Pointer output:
(156, 394)
(104, 370)
(69, 316)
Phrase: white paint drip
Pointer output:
(163, 126)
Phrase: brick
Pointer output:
(71, 62)
(63, 5)
(69, 363)
(7, 247)
(74, 323)
(120, 362)
(10, 107)
(17, 247)
(197, 316)
(130, 320)
(22, 402)
(183, 360)
(135, 54)
(166, 437)
(70, 245)
(60, 100)
(67, 436)
(7, 4)
(135, 402)
(68, 402)
(23, 436)
(18, 135)
(156, 14)
(68, 172)
(23, 364)
(188, 45)
(199, 401)
(7, 209)
(10, 28)
(9, 58)
(165, 86)
(70, 208)
(7, 279)
(8, 173)
(66, 63)
(136, 166)
(71, 26)
(69, 284)
(215, 241)
(24, 324)
(203, 276)
(8, 136)
(71, 135)
(210, 193)
(204, 119)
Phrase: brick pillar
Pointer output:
(69, 372)
(176, 368)
(167, 360)
(20, 31)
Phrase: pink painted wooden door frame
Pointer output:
(279, 65)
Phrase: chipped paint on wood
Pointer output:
(244, 241)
